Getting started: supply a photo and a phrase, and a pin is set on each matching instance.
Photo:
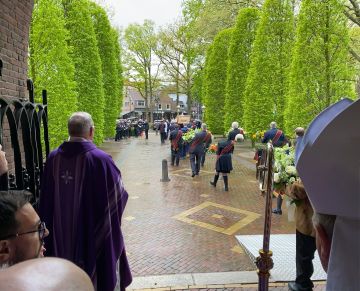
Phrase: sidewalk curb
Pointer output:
(194, 280)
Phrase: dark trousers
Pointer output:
(146, 133)
(162, 136)
(175, 157)
(203, 156)
(195, 162)
(305, 249)
(117, 135)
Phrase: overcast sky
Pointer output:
(124, 12)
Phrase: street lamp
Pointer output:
(202, 112)
(178, 109)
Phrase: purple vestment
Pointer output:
(82, 201)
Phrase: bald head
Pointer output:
(47, 274)
(80, 124)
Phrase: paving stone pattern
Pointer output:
(173, 227)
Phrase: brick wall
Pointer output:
(15, 17)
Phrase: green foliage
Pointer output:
(320, 73)
(109, 60)
(270, 60)
(88, 74)
(141, 41)
(215, 81)
(206, 18)
(119, 68)
(197, 88)
(52, 67)
(238, 64)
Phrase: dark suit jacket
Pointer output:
(199, 142)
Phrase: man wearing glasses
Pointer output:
(21, 231)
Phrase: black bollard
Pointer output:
(165, 176)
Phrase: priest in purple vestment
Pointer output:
(82, 202)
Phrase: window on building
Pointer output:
(141, 103)
(182, 106)
(159, 107)
(168, 106)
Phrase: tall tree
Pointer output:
(267, 79)
(208, 17)
(215, 81)
(52, 67)
(238, 64)
(177, 51)
(141, 65)
(88, 74)
(119, 68)
(111, 81)
(320, 72)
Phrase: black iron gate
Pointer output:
(24, 131)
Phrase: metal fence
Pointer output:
(24, 130)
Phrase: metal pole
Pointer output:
(264, 262)
(165, 176)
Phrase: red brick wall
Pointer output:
(15, 17)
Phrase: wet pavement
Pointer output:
(187, 226)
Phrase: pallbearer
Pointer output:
(223, 160)
(176, 144)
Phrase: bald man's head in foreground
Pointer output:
(47, 274)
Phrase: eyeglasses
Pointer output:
(41, 230)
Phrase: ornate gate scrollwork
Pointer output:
(24, 128)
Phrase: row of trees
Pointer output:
(278, 65)
(75, 56)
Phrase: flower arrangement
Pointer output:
(189, 135)
(258, 136)
(212, 149)
(284, 167)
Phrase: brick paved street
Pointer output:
(186, 225)
(161, 238)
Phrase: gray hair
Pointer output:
(204, 126)
(327, 221)
(235, 125)
(273, 124)
(79, 124)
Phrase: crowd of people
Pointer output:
(83, 198)
(126, 128)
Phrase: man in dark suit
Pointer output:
(275, 135)
(146, 128)
(162, 129)
(278, 139)
(176, 144)
(197, 150)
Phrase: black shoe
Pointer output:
(226, 183)
(277, 211)
(202, 165)
(293, 286)
(216, 178)
(197, 173)
(193, 175)
(172, 164)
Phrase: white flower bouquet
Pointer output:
(284, 167)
